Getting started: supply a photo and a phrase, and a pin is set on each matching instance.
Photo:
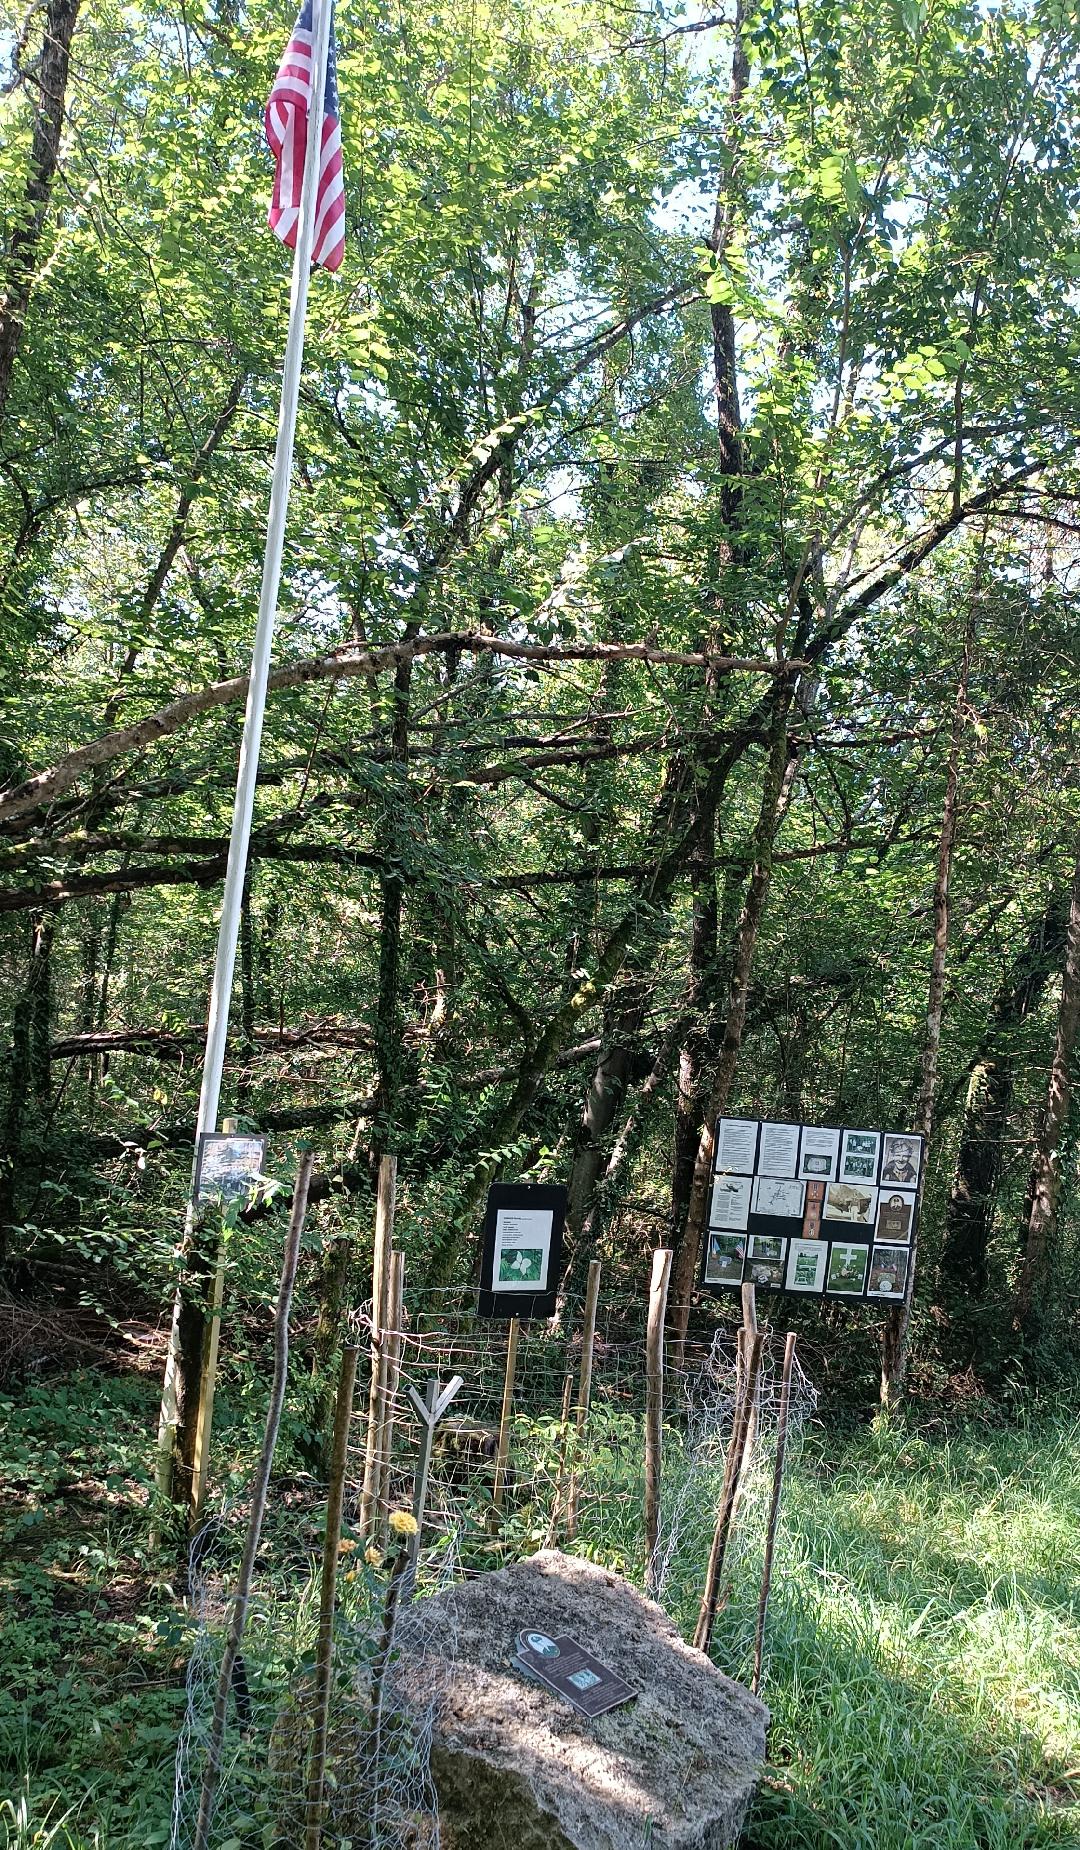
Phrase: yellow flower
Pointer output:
(346, 1546)
(402, 1523)
(373, 1557)
(351, 1575)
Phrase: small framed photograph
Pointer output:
(889, 1272)
(767, 1272)
(851, 1202)
(229, 1166)
(725, 1254)
(806, 1264)
(901, 1159)
(766, 1246)
(819, 1152)
(895, 1215)
(848, 1266)
(775, 1195)
(859, 1153)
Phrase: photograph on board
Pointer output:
(736, 1146)
(777, 1195)
(900, 1160)
(229, 1165)
(778, 1151)
(847, 1270)
(859, 1152)
(768, 1273)
(522, 1249)
(819, 1152)
(521, 1265)
(806, 1264)
(724, 1257)
(895, 1215)
(849, 1202)
(888, 1272)
(730, 1203)
(766, 1246)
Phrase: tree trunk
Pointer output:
(969, 1217)
(896, 1330)
(624, 1012)
(389, 1017)
(1045, 1184)
(775, 796)
(623, 1150)
(694, 1054)
(28, 1082)
(24, 234)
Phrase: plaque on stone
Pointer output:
(568, 1670)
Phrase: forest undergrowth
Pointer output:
(923, 1661)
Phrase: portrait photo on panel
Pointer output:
(900, 1160)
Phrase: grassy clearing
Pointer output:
(924, 1648)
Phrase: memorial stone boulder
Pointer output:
(516, 1768)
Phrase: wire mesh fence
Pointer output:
(514, 1467)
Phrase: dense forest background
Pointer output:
(675, 691)
(673, 712)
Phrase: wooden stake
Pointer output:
(325, 1649)
(654, 1406)
(259, 1492)
(395, 1317)
(208, 1383)
(725, 1508)
(380, 1282)
(747, 1334)
(588, 1339)
(504, 1417)
(774, 1506)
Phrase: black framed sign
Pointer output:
(229, 1165)
(522, 1252)
(815, 1209)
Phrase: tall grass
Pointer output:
(924, 1674)
(923, 1653)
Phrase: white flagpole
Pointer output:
(217, 1026)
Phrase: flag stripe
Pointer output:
(286, 131)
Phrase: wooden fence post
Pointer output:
(746, 1337)
(335, 1500)
(380, 1283)
(259, 1493)
(654, 1406)
(504, 1416)
(208, 1371)
(774, 1506)
(588, 1338)
(725, 1508)
(395, 1317)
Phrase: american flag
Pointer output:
(286, 131)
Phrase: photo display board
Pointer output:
(813, 1209)
(522, 1254)
(229, 1165)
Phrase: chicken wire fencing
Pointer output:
(516, 1465)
